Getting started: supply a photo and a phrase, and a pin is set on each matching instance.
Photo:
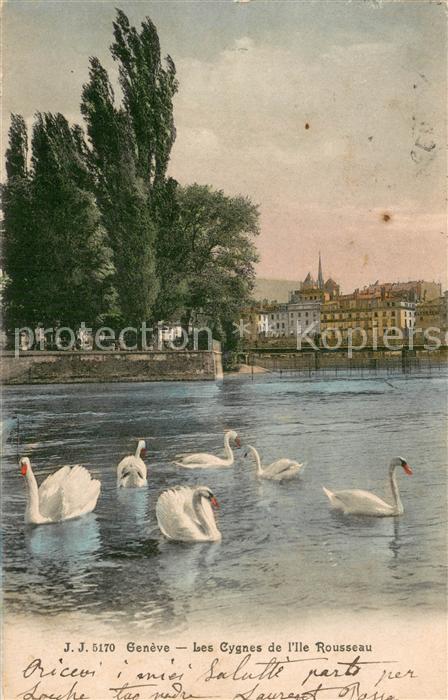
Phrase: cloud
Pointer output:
(313, 116)
(245, 114)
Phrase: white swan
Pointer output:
(185, 514)
(202, 460)
(358, 502)
(131, 472)
(66, 494)
(277, 471)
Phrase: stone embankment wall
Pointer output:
(85, 366)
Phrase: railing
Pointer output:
(339, 364)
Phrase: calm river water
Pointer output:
(284, 554)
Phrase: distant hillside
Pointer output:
(274, 290)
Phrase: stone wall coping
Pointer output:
(100, 353)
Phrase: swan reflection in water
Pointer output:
(74, 542)
(385, 531)
(195, 562)
(395, 544)
(63, 558)
(131, 533)
(132, 505)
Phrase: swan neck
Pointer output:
(32, 507)
(227, 449)
(205, 516)
(257, 460)
(394, 488)
(138, 450)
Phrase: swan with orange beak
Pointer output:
(357, 502)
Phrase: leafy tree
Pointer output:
(97, 232)
(17, 151)
(72, 262)
(217, 243)
(18, 237)
(171, 253)
(130, 149)
(122, 197)
(148, 90)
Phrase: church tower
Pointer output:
(320, 277)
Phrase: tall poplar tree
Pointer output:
(19, 242)
(130, 149)
(122, 197)
(148, 90)
(72, 283)
(172, 251)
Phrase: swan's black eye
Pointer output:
(403, 462)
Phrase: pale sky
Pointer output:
(368, 77)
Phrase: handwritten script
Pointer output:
(184, 675)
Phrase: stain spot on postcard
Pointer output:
(424, 147)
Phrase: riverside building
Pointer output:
(359, 315)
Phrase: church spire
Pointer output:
(320, 277)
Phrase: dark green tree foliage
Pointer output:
(18, 239)
(219, 255)
(148, 90)
(17, 153)
(122, 197)
(72, 261)
(98, 233)
(172, 252)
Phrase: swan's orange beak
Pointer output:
(23, 470)
(238, 442)
(143, 452)
(215, 503)
(407, 469)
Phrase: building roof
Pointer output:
(309, 281)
